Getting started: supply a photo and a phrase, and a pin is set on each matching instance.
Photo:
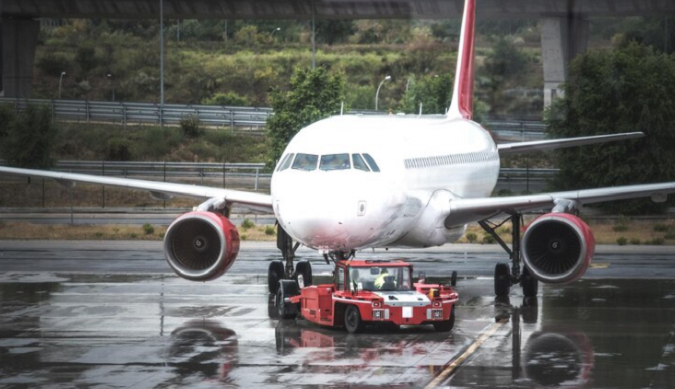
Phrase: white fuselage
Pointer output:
(424, 164)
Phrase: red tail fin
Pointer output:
(462, 95)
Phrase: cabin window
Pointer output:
(371, 163)
(359, 163)
(305, 162)
(341, 279)
(286, 162)
(335, 162)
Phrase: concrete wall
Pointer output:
(19, 40)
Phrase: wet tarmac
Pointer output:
(111, 315)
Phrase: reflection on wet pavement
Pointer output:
(155, 331)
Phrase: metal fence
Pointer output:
(251, 119)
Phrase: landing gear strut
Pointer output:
(504, 280)
(283, 270)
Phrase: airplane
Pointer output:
(352, 182)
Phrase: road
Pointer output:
(110, 314)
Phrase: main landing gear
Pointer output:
(505, 277)
(283, 270)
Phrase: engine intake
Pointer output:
(201, 246)
(558, 248)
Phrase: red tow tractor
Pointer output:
(369, 292)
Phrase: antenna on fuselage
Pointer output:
(461, 106)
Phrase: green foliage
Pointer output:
(313, 95)
(635, 241)
(133, 235)
(669, 235)
(620, 228)
(471, 237)
(269, 230)
(433, 92)
(334, 31)
(119, 149)
(52, 64)
(86, 58)
(657, 241)
(7, 116)
(247, 223)
(157, 142)
(98, 235)
(488, 239)
(227, 99)
(658, 227)
(622, 241)
(148, 229)
(190, 126)
(657, 32)
(626, 90)
(29, 138)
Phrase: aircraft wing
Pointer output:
(464, 211)
(166, 190)
(540, 145)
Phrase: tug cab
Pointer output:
(367, 292)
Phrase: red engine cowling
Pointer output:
(558, 248)
(201, 246)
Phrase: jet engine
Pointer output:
(558, 248)
(201, 246)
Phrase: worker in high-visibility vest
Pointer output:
(379, 281)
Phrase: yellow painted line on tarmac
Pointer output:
(599, 265)
(449, 369)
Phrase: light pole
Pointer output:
(273, 31)
(377, 94)
(60, 80)
(109, 75)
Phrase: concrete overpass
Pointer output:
(564, 22)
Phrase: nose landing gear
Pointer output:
(283, 270)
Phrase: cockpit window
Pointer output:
(305, 162)
(359, 163)
(286, 162)
(335, 162)
(371, 162)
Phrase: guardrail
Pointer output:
(253, 119)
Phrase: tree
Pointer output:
(30, 138)
(433, 92)
(629, 89)
(334, 31)
(313, 95)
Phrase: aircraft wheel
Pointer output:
(353, 322)
(287, 288)
(446, 325)
(453, 279)
(304, 268)
(502, 280)
(530, 284)
(275, 273)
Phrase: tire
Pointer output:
(446, 325)
(530, 284)
(275, 273)
(453, 279)
(353, 322)
(502, 280)
(287, 288)
(304, 268)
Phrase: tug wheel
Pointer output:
(353, 322)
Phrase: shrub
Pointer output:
(269, 230)
(52, 64)
(228, 98)
(99, 235)
(119, 149)
(471, 237)
(161, 235)
(148, 229)
(246, 224)
(133, 235)
(243, 237)
(635, 241)
(86, 58)
(7, 116)
(658, 227)
(669, 236)
(622, 241)
(488, 239)
(620, 228)
(190, 126)
(657, 241)
(30, 138)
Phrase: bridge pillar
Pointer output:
(19, 40)
(562, 39)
